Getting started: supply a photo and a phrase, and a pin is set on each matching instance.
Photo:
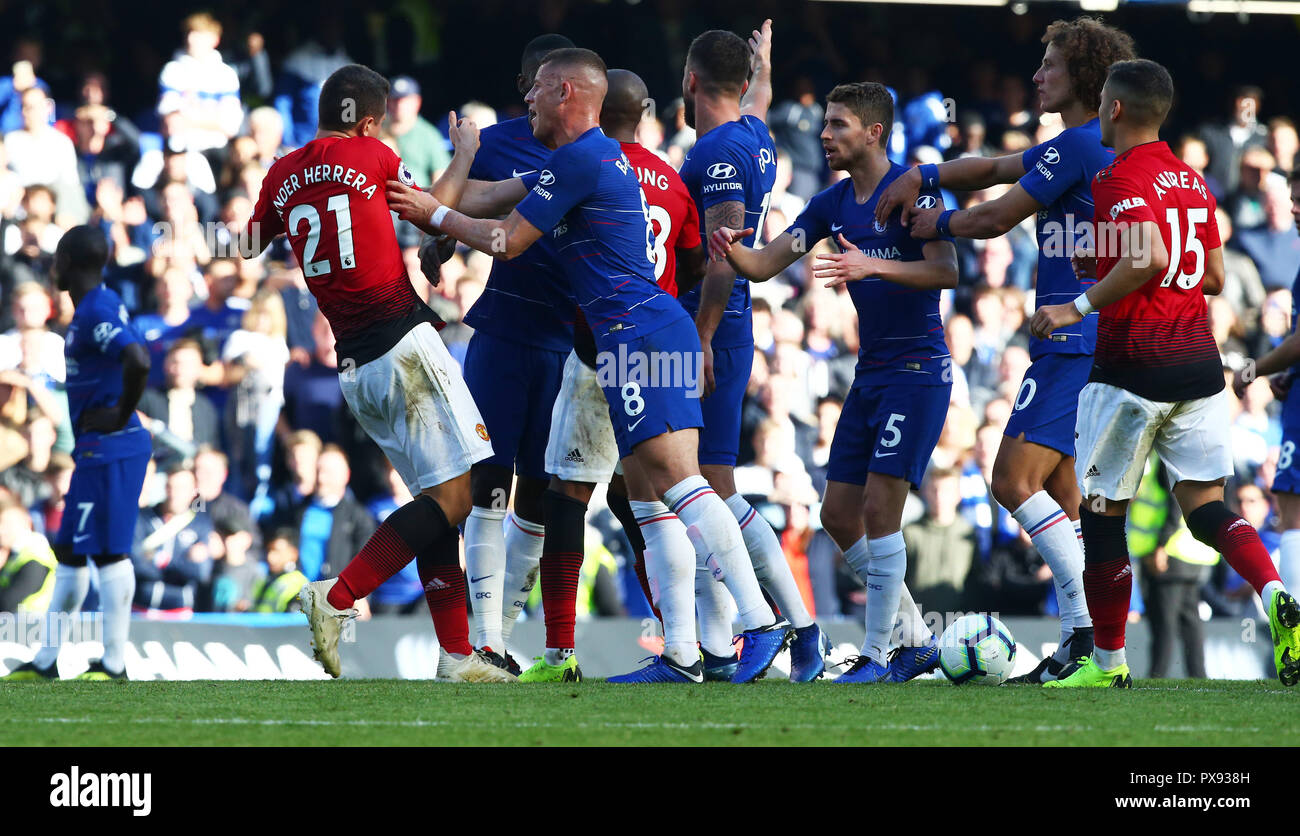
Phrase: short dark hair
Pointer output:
(720, 60)
(84, 248)
(1145, 88)
(537, 49)
(867, 100)
(576, 56)
(286, 534)
(350, 94)
(1089, 47)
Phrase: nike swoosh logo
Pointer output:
(79, 538)
(514, 173)
(835, 228)
(882, 455)
(476, 580)
(634, 426)
(1067, 583)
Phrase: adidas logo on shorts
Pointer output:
(1092, 471)
(575, 456)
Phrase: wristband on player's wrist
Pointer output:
(1083, 305)
(929, 176)
(941, 225)
(438, 216)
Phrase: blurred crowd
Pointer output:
(262, 480)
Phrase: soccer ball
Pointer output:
(977, 648)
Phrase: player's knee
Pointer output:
(577, 491)
(1010, 489)
(840, 523)
(453, 499)
(1207, 521)
(528, 497)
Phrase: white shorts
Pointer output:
(1116, 431)
(582, 446)
(415, 405)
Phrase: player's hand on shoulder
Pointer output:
(723, 238)
(410, 204)
(464, 134)
(1084, 262)
(1051, 317)
(847, 266)
(925, 222)
(903, 192)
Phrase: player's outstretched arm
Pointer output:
(464, 139)
(500, 239)
(135, 371)
(990, 219)
(757, 100)
(937, 270)
(965, 174)
(1143, 256)
(757, 265)
(484, 199)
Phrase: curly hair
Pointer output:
(1089, 47)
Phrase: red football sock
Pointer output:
(645, 584)
(1238, 542)
(560, 572)
(444, 592)
(383, 555)
(1109, 587)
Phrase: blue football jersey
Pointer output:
(734, 161)
(524, 300)
(1058, 174)
(99, 332)
(900, 331)
(588, 201)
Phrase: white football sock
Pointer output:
(858, 556)
(912, 629)
(768, 559)
(71, 583)
(670, 568)
(116, 589)
(1269, 589)
(524, 542)
(485, 569)
(713, 609)
(884, 588)
(1054, 536)
(701, 509)
(1288, 564)
(1108, 659)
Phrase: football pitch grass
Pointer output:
(776, 713)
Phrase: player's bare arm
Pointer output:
(757, 265)
(505, 239)
(715, 289)
(691, 264)
(990, 219)
(491, 199)
(135, 371)
(965, 174)
(758, 95)
(1212, 283)
(1144, 256)
(936, 271)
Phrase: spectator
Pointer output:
(173, 291)
(40, 155)
(1192, 151)
(1284, 142)
(297, 88)
(1242, 286)
(26, 479)
(189, 419)
(797, 124)
(266, 127)
(202, 88)
(1247, 205)
(26, 562)
(254, 361)
(32, 310)
(174, 543)
(1274, 247)
(198, 171)
(221, 314)
(1227, 141)
(237, 573)
(211, 473)
(403, 593)
(332, 525)
(302, 450)
(252, 67)
(278, 590)
(27, 59)
(419, 144)
(106, 147)
(312, 399)
(941, 547)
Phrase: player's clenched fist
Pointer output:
(722, 239)
(411, 204)
(1051, 317)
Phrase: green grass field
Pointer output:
(396, 712)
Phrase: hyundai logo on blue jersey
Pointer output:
(722, 171)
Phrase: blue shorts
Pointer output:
(720, 438)
(1048, 401)
(514, 386)
(653, 384)
(891, 430)
(100, 509)
(1287, 479)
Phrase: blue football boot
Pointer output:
(907, 663)
(662, 669)
(808, 651)
(719, 668)
(864, 670)
(761, 648)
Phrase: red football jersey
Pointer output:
(1156, 341)
(328, 196)
(674, 220)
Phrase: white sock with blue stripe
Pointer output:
(1056, 540)
(768, 558)
(71, 583)
(670, 568)
(884, 580)
(702, 510)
